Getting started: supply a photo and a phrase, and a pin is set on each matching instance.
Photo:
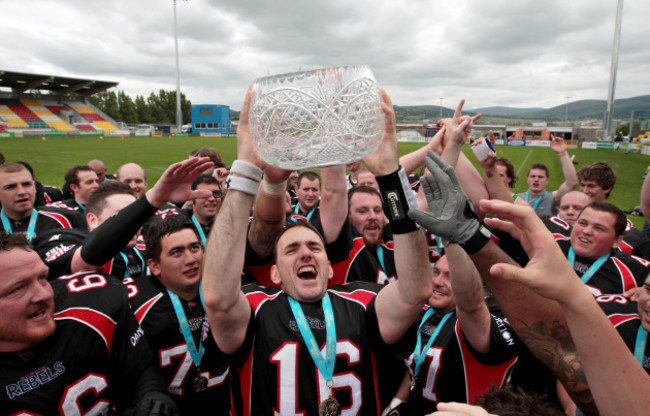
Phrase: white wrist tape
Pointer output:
(247, 170)
(238, 183)
(274, 188)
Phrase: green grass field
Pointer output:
(51, 157)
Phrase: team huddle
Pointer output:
(407, 284)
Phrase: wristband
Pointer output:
(247, 170)
(239, 183)
(106, 241)
(274, 188)
(477, 241)
(398, 200)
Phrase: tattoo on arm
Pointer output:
(489, 174)
(554, 348)
(261, 236)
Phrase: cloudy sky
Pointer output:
(520, 53)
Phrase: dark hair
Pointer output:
(511, 401)
(206, 178)
(363, 189)
(168, 225)
(214, 156)
(620, 220)
(10, 241)
(71, 175)
(96, 202)
(540, 166)
(309, 175)
(599, 172)
(510, 170)
(289, 226)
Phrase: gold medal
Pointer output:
(329, 407)
(200, 384)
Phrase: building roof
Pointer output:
(20, 82)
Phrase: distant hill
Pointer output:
(577, 110)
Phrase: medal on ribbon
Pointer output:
(330, 406)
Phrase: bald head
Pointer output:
(99, 168)
(571, 205)
(133, 175)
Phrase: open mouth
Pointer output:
(307, 272)
(436, 293)
(39, 314)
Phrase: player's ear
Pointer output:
(92, 221)
(275, 275)
(330, 271)
(154, 266)
(617, 242)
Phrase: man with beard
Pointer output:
(72, 345)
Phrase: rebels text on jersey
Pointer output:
(624, 315)
(57, 247)
(92, 360)
(277, 374)
(154, 311)
(454, 371)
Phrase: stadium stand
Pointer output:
(90, 115)
(47, 116)
(13, 120)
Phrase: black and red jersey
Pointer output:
(624, 315)
(277, 374)
(618, 274)
(47, 219)
(57, 247)
(454, 371)
(94, 359)
(155, 313)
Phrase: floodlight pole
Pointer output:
(609, 112)
(179, 114)
(440, 99)
(566, 109)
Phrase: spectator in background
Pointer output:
(100, 169)
(204, 211)
(133, 175)
(542, 201)
(82, 181)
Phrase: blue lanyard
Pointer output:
(538, 199)
(592, 269)
(199, 228)
(380, 257)
(82, 206)
(439, 244)
(195, 353)
(639, 348)
(30, 228)
(325, 364)
(296, 210)
(419, 353)
(126, 262)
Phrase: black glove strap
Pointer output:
(398, 199)
(477, 241)
(104, 242)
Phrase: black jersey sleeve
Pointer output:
(57, 247)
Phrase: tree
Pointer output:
(127, 111)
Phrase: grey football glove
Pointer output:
(451, 214)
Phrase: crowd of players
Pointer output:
(255, 290)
